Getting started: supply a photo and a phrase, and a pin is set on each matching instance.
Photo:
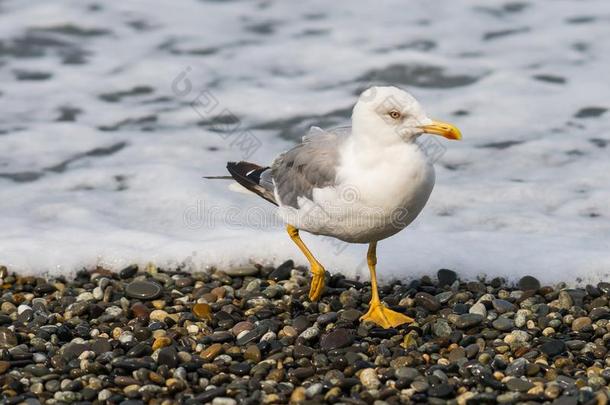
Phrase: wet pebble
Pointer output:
(427, 301)
(336, 339)
(249, 335)
(282, 272)
(553, 347)
(446, 277)
(518, 384)
(465, 321)
(143, 289)
(529, 283)
(581, 323)
(128, 272)
(503, 324)
(369, 379)
(502, 306)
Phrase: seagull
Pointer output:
(359, 184)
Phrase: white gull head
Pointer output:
(390, 115)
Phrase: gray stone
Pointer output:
(553, 347)
(143, 290)
(427, 301)
(241, 271)
(518, 384)
(529, 283)
(503, 324)
(407, 373)
(446, 277)
(282, 272)
(478, 308)
(517, 367)
(128, 271)
(564, 300)
(350, 315)
(8, 339)
(468, 320)
(327, 318)
(441, 328)
(336, 339)
(580, 323)
(502, 306)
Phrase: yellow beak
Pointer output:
(443, 129)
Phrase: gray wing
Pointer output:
(311, 164)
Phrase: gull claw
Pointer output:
(317, 283)
(380, 315)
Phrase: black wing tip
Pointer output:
(248, 175)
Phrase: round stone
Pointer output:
(468, 320)
(503, 324)
(310, 333)
(302, 373)
(140, 310)
(604, 286)
(456, 354)
(253, 353)
(440, 391)
(327, 318)
(553, 347)
(301, 351)
(407, 373)
(183, 282)
(143, 290)
(290, 331)
(158, 315)
(350, 315)
(8, 339)
(160, 342)
(478, 308)
(368, 378)
(241, 271)
(128, 271)
(7, 308)
(242, 368)
(282, 272)
(517, 367)
(580, 323)
(420, 386)
(168, 356)
(224, 401)
(241, 327)
(336, 339)
(297, 396)
(599, 313)
(427, 301)
(441, 328)
(502, 306)
(211, 352)
(517, 384)
(202, 311)
(529, 283)
(446, 277)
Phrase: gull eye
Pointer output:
(394, 114)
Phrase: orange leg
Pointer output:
(318, 272)
(378, 313)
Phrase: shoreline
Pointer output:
(249, 335)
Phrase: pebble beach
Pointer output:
(249, 335)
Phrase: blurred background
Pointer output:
(111, 113)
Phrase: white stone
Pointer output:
(368, 378)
